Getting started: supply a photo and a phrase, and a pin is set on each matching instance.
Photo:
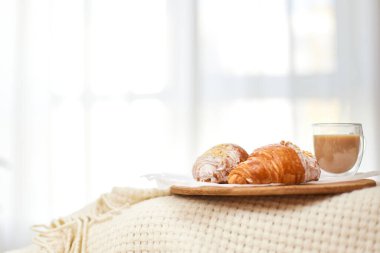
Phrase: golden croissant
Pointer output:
(277, 163)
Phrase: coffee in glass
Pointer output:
(338, 147)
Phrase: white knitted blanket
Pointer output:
(122, 222)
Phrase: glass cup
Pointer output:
(338, 147)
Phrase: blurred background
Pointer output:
(95, 93)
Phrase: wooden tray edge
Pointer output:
(306, 189)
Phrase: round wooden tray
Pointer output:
(325, 188)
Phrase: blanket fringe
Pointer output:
(69, 234)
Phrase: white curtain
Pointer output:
(95, 93)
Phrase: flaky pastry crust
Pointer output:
(216, 163)
(277, 163)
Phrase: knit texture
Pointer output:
(70, 234)
(348, 222)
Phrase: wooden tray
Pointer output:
(326, 188)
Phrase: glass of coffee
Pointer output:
(338, 147)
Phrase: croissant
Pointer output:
(216, 163)
(277, 163)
